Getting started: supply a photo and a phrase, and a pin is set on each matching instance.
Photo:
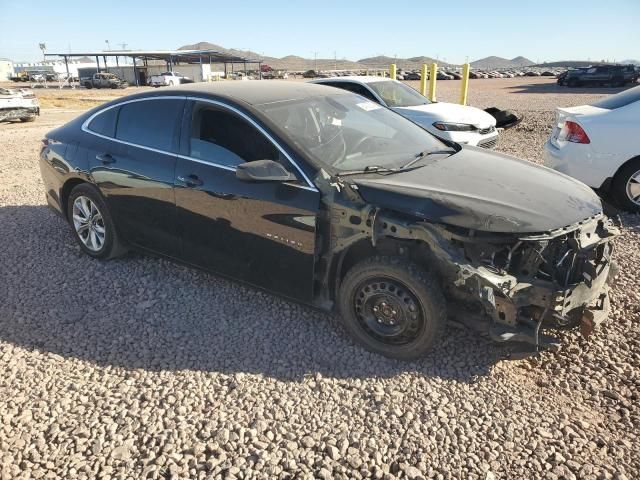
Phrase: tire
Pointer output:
(102, 246)
(372, 294)
(28, 119)
(88, 85)
(626, 183)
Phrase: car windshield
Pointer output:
(347, 132)
(618, 100)
(396, 94)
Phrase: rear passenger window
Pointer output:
(356, 88)
(151, 123)
(105, 122)
(221, 137)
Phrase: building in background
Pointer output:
(56, 66)
(6, 69)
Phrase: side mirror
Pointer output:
(263, 171)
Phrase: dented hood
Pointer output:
(483, 190)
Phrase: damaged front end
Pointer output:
(558, 279)
(524, 282)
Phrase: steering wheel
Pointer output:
(361, 142)
(341, 156)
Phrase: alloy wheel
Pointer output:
(88, 223)
(633, 188)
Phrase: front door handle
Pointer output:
(105, 158)
(191, 181)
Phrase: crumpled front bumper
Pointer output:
(521, 306)
(11, 114)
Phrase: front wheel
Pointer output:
(625, 187)
(392, 307)
(92, 224)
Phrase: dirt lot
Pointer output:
(140, 368)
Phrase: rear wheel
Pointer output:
(625, 187)
(28, 119)
(392, 307)
(92, 224)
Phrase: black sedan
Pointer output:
(329, 199)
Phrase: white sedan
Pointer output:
(450, 121)
(599, 145)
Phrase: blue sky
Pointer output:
(539, 29)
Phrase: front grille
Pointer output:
(490, 143)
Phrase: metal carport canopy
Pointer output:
(169, 56)
(186, 56)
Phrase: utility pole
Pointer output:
(315, 61)
(108, 45)
(43, 47)
(123, 46)
(335, 60)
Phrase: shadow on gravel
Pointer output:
(555, 89)
(140, 312)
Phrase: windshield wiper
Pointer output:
(424, 154)
(368, 169)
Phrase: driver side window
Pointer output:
(221, 137)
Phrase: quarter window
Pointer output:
(221, 137)
(105, 122)
(150, 123)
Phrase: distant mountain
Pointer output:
(296, 63)
(413, 63)
(494, 62)
(632, 62)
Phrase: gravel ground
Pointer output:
(140, 368)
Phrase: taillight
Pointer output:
(573, 132)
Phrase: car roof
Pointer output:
(354, 78)
(253, 92)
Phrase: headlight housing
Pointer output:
(454, 127)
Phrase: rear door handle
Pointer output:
(191, 181)
(105, 158)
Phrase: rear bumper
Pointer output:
(580, 162)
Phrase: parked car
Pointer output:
(449, 121)
(330, 199)
(168, 79)
(18, 105)
(103, 80)
(614, 75)
(598, 145)
(413, 76)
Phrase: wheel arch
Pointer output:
(623, 165)
(364, 248)
(66, 189)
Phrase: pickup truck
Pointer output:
(103, 80)
(168, 79)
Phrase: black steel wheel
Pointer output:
(392, 307)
